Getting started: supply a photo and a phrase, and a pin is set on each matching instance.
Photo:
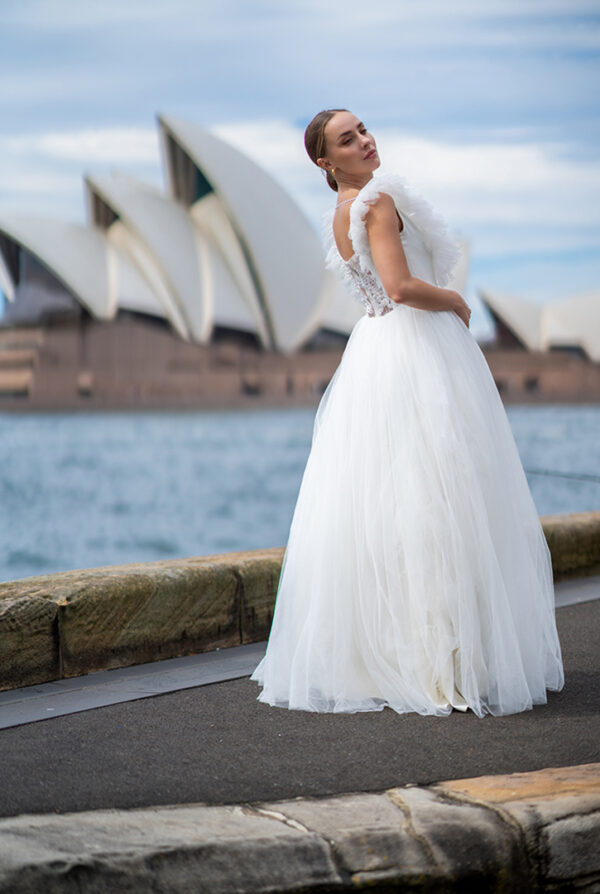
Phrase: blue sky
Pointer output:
(489, 109)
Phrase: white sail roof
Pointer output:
(226, 247)
(225, 305)
(282, 250)
(75, 254)
(574, 321)
(231, 290)
(157, 235)
(567, 322)
(522, 317)
(133, 290)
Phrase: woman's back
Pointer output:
(341, 225)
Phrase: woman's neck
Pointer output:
(349, 181)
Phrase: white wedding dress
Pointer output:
(416, 573)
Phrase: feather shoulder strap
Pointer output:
(432, 227)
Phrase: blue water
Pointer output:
(84, 490)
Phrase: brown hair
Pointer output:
(314, 139)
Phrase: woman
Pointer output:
(416, 573)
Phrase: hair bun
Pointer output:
(314, 140)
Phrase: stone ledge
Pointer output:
(76, 622)
(524, 832)
(574, 542)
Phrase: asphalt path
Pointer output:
(217, 744)
(43, 701)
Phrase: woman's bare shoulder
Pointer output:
(381, 205)
(382, 214)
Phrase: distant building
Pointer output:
(215, 293)
(224, 248)
(545, 352)
(569, 324)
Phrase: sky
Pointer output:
(489, 109)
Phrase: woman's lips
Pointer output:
(371, 153)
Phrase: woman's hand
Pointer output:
(462, 308)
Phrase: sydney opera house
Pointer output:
(545, 351)
(214, 293)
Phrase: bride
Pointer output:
(416, 574)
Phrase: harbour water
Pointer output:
(83, 490)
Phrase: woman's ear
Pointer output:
(324, 163)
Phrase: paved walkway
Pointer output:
(217, 744)
(49, 700)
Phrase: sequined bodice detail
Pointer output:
(366, 288)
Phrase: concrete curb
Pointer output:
(529, 832)
(76, 622)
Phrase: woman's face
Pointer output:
(350, 148)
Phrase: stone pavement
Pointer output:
(288, 800)
(519, 833)
(218, 744)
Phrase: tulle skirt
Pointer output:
(416, 573)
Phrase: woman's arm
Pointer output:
(388, 255)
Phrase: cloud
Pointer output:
(528, 210)
(525, 192)
(434, 67)
(431, 22)
(507, 197)
(42, 173)
(117, 145)
(484, 183)
(64, 15)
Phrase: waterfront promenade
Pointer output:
(173, 777)
(217, 744)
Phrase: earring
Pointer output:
(333, 173)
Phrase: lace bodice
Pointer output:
(366, 287)
(429, 250)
